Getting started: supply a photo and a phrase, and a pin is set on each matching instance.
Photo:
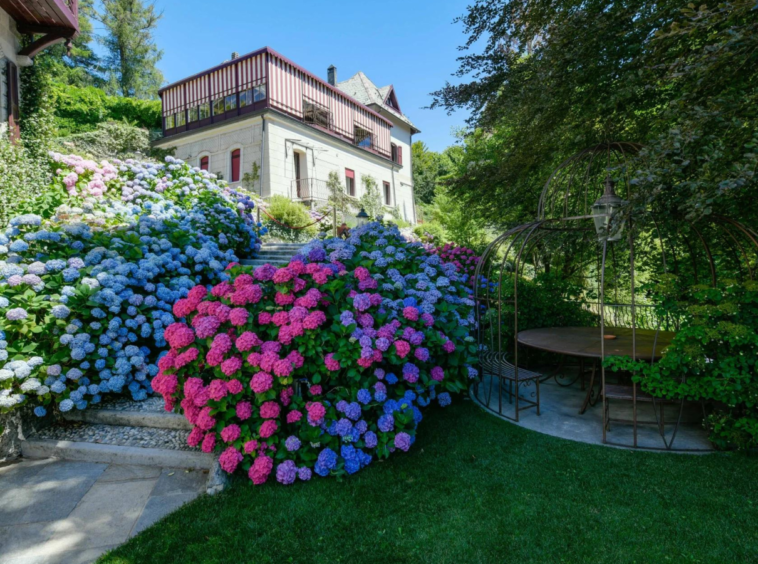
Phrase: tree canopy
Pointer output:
(546, 79)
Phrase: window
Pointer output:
(259, 92)
(387, 194)
(350, 182)
(218, 107)
(246, 98)
(204, 110)
(169, 122)
(394, 153)
(315, 113)
(235, 165)
(205, 162)
(181, 118)
(362, 137)
(192, 114)
(399, 156)
(231, 102)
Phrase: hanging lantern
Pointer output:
(362, 217)
(602, 212)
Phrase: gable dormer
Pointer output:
(390, 99)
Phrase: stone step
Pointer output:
(129, 413)
(145, 446)
(256, 262)
(274, 256)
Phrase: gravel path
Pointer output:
(153, 403)
(145, 437)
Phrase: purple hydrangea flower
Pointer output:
(292, 443)
(402, 441)
(370, 439)
(286, 472)
(304, 473)
(386, 423)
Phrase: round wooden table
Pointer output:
(586, 342)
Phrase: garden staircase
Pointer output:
(274, 253)
(124, 431)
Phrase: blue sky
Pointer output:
(411, 44)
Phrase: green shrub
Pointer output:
(291, 214)
(22, 177)
(713, 358)
(431, 232)
(111, 140)
(80, 109)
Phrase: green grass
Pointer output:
(478, 489)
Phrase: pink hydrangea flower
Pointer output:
(448, 347)
(209, 442)
(330, 362)
(283, 275)
(247, 341)
(214, 357)
(230, 433)
(260, 469)
(217, 390)
(244, 410)
(314, 320)
(283, 368)
(296, 359)
(235, 386)
(230, 459)
(204, 419)
(250, 446)
(270, 410)
(264, 318)
(206, 326)
(231, 366)
(178, 335)
(402, 348)
(238, 316)
(268, 428)
(315, 390)
(195, 436)
(410, 313)
(188, 356)
(294, 416)
(316, 413)
(438, 374)
(254, 359)
(261, 382)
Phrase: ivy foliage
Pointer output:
(712, 358)
(79, 110)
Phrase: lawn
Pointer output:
(478, 489)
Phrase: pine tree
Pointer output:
(79, 65)
(131, 50)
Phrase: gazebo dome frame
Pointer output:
(564, 213)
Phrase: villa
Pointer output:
(265, 123)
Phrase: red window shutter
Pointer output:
(399, 155)
(204, 163)
(349, 173)
(236, 165)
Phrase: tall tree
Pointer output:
(79, 66)
(131, 50)
(545, 79)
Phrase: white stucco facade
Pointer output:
(272, 147)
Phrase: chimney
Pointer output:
(235, 55)
(331, 75)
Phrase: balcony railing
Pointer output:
(309, 190)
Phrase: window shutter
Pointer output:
(399, 155)
(12, 100)
(236, 165)
(204, 163)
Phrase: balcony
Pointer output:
(55, 20)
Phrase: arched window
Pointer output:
(205, 162)
(235, 165)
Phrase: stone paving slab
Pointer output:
(63, 512)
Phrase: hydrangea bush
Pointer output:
(462, 257)
(86, 294)
(323, 365)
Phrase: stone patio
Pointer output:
(66, 512)
(559, 417)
